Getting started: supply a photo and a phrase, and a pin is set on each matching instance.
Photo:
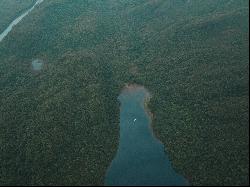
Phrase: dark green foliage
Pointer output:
(10, 9)
(60, 126)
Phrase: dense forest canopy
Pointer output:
(60, 126)
(10, 9)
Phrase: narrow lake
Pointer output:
(140, 159)
(17, 20)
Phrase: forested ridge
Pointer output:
(61, 126)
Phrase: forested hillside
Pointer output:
(60, 126)
(10, 9)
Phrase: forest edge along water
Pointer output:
(17, 20)
(140, 158)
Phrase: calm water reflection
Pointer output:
(140, 159)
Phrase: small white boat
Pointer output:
(134, 119)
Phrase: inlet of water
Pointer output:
(140, 159)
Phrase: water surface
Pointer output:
(17, 20)
(140, 159)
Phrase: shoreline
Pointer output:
(144, 103)
(146, 100)
(148, 96)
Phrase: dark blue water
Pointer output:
(140, 159)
